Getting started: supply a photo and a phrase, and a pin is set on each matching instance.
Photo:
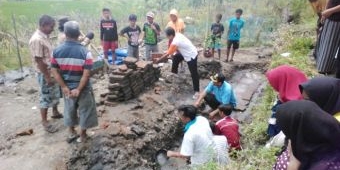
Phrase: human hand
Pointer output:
(326, 13)
(153, 27)
(211, 115)
(170, 153)
(197, 104)
(75, 93)
(66, 91)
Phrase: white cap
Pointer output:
(150, 14)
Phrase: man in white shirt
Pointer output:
(187, 51)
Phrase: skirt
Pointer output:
(328, 45)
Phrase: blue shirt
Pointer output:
(223, 94)
(235, 26)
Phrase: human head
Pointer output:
(61, 23)
(218, 18)
(187, 113)
(173, 15)
(150, 16)
(238, 13)
(170, 33)
(286, 80)
(133, 19)
(218, 79)
(71, 29)
(106, 13)
(225, 110)
(46, 24)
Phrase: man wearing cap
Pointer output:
(71, 67)
(216, 93)
(151, 32)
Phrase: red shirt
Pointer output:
(229, 128)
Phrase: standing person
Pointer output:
(151, 32)
(234, 34)
(108, 33)
(228, 127)
(329, 40)
(133, 34)
(218, 92)
(187, 52)
(41, 51)
(72, 64)
(61, 34)
(217, 29)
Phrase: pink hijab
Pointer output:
(286, 80)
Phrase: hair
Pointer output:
(240, 11)
(170, 31)
(226, 109)
(133, 17)
(61, 22)
(46, 20)
(71, 29)
(219, 16)
(106, 10)
(189, 111)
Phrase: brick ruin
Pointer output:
(129, 80)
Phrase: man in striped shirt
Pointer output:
(71, 66)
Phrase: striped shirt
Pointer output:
(71, 58)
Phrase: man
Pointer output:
(41, 50)
(108, 33)
(187, 52)
(71, 66)
(133, 34)
(198, 143)
(216, 93)
(234, 34)
(151, 32)
(217, 29)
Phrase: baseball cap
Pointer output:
(133, 17)
(150, 14)
(217, 78)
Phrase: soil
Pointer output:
(129, 134)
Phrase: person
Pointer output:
(314, 135)
(151, 32)
(234, 34)
(324, 91)
(218, 92)
(198, 143)
(329, 40)
(285, 80)
(41, 49)
(228, 127)
(217, 30)
(71, 66)
(318, 6)
(108, 33)
(187, 52)
(61, 34)
(133, 34)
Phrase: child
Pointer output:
(228, 127)
(217, 30)
(133, 33)
(234, 34)
(108, 33)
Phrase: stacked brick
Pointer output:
(131, 79)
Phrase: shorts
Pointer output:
(215, 43)
(86, 106)
(107, 45)
(48, 95)
(133, 51)
(234, 43)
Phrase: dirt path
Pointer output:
(45, 151)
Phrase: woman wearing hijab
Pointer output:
(285, 80)
(314, 135)
(325, 92)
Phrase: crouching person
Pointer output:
(71, 66)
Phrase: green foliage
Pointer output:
(302, 44)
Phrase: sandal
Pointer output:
(72, 137)
(57, 116)
(50, 129)
(84, 139)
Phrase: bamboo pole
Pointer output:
(17, 44)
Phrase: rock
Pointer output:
(127, 133)
(123, 68)
(114, 130)
(25, 132)
(130, 60)
(138, 130)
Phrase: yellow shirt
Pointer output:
(178, 26)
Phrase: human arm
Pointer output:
(293, 163)
(58, 78)
(172, 49)
(328, 12)
(174, 154)
(123, 32)
(157, 29)
(233, 98)
(101, 31)
(85, 77)
(43, 67)
(200, 98)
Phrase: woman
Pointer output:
(285, 80)
(330, 38)
(314, 135)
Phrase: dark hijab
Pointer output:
(324, 91)
(312, 131)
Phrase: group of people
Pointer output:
(307, 113)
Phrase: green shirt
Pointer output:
(150, 36)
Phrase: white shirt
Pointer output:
(221, 149)
(198, 142)
(185, 47)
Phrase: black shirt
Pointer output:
(335, 16)
(217, 28)
(108, 30)
(133, 34)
